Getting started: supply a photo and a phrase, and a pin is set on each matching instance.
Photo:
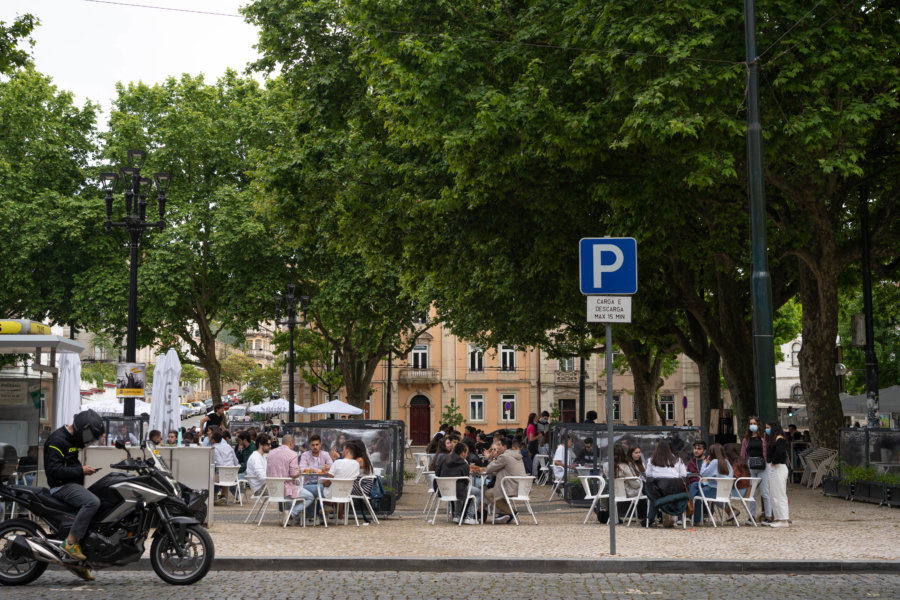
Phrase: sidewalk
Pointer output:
(824, 529)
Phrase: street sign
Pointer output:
(609, 309)
(608, 265)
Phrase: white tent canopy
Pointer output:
(277, 406)
(112, 407)
(335, 407)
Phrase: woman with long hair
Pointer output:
(625, 468)
(715, 465)
(754, 448)
(531, 435)
(637, 462)
(665, 475)
(776, 461)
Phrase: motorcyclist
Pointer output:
(65, 477)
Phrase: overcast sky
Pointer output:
(87, 46)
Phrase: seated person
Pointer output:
(125, 436)
(456, 465)
(256, 464)
(586, 455)
(560, 457)
(697, 460)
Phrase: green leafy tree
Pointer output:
(452, 415)
(314, 357)
(53, 227)
(11, 56)
(886, 329)
(214, 267)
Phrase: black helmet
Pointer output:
(88, 427)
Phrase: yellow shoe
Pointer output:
(74, 551)
(82, 572)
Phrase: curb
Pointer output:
(544, 566)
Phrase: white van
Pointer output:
(238, 413)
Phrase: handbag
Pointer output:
(756, 462)
(689, 509)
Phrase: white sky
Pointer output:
(86, 47)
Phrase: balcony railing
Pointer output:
(417, 375)
(570, 376)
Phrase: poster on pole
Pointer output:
(130, 381)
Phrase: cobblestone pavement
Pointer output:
(140, 585)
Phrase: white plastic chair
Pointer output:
(408, 448)
(258, 496)
(340, 494)
(421, 465)
(275, 493)
(543, 468)
(432, 492)
(722, 497)
(228, 478)
(557, 481)
(447, 493)
(364, 497)
(589, 495)
(622, 496)
(523, 494)
(750, 496)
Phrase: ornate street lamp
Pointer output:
(136, 190)
(289, 302)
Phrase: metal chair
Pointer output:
(421, 465)
(542, 462)
(340, 494)
(557, 481)
(523, 494)
(722, 497)
(275, 493)
(589, 494)
(432, 492)
(622, 492)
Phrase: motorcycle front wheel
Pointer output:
(18, 570)
(193, 566)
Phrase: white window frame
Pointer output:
(420, 350)
(667, 404)
(514, 413)
(567, 364)
(507, 358)
(476, 359)
(634, 415)
(476, 401)
(617, 408)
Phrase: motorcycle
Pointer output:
(132, 505)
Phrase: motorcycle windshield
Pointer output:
(161, 464)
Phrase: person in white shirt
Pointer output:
(345, 467)
(563, 456)
(665, 475)
(223, 455)
(256, 464)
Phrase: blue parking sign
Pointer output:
(608, 266)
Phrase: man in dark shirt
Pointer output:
(213, 418)
(65, 476)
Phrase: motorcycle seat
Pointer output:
(42, 495)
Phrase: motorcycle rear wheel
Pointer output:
(18, 571)
(199, 554)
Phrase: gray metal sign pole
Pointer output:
(610, 441)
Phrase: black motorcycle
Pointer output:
(132, 506)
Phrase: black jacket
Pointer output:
(61, 462)
(455, 466)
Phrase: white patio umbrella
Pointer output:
(335, 407)
(68, 388)
(165, 407)
(274, 407)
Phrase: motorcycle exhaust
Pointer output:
(22, 546)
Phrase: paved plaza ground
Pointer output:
(254, 585)
(823, 529)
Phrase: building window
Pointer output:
(795, 355)
(507, 358)
(617, 408)
(634, 416)
(476, 359)
(508, 407)
(476, 407)
(567, 364)
(420, 357)
(667, 405)
(420, 317)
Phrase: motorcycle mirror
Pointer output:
(144, 445)
(120, 445)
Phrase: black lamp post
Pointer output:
(136, 190)
(289, 301)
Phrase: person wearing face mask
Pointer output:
(776, 463)
(753, 450)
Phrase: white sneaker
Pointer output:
(780, 524)
(470, 521)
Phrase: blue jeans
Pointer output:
(763, 489)
(87, 504)
(709, 490)
(303, 494)
(313, 490)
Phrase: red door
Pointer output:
(567, 411)
(420, 421)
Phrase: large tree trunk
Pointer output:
(207, 356)
(358, 374)
(645, 363)
(710, 386)
(819, 297)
